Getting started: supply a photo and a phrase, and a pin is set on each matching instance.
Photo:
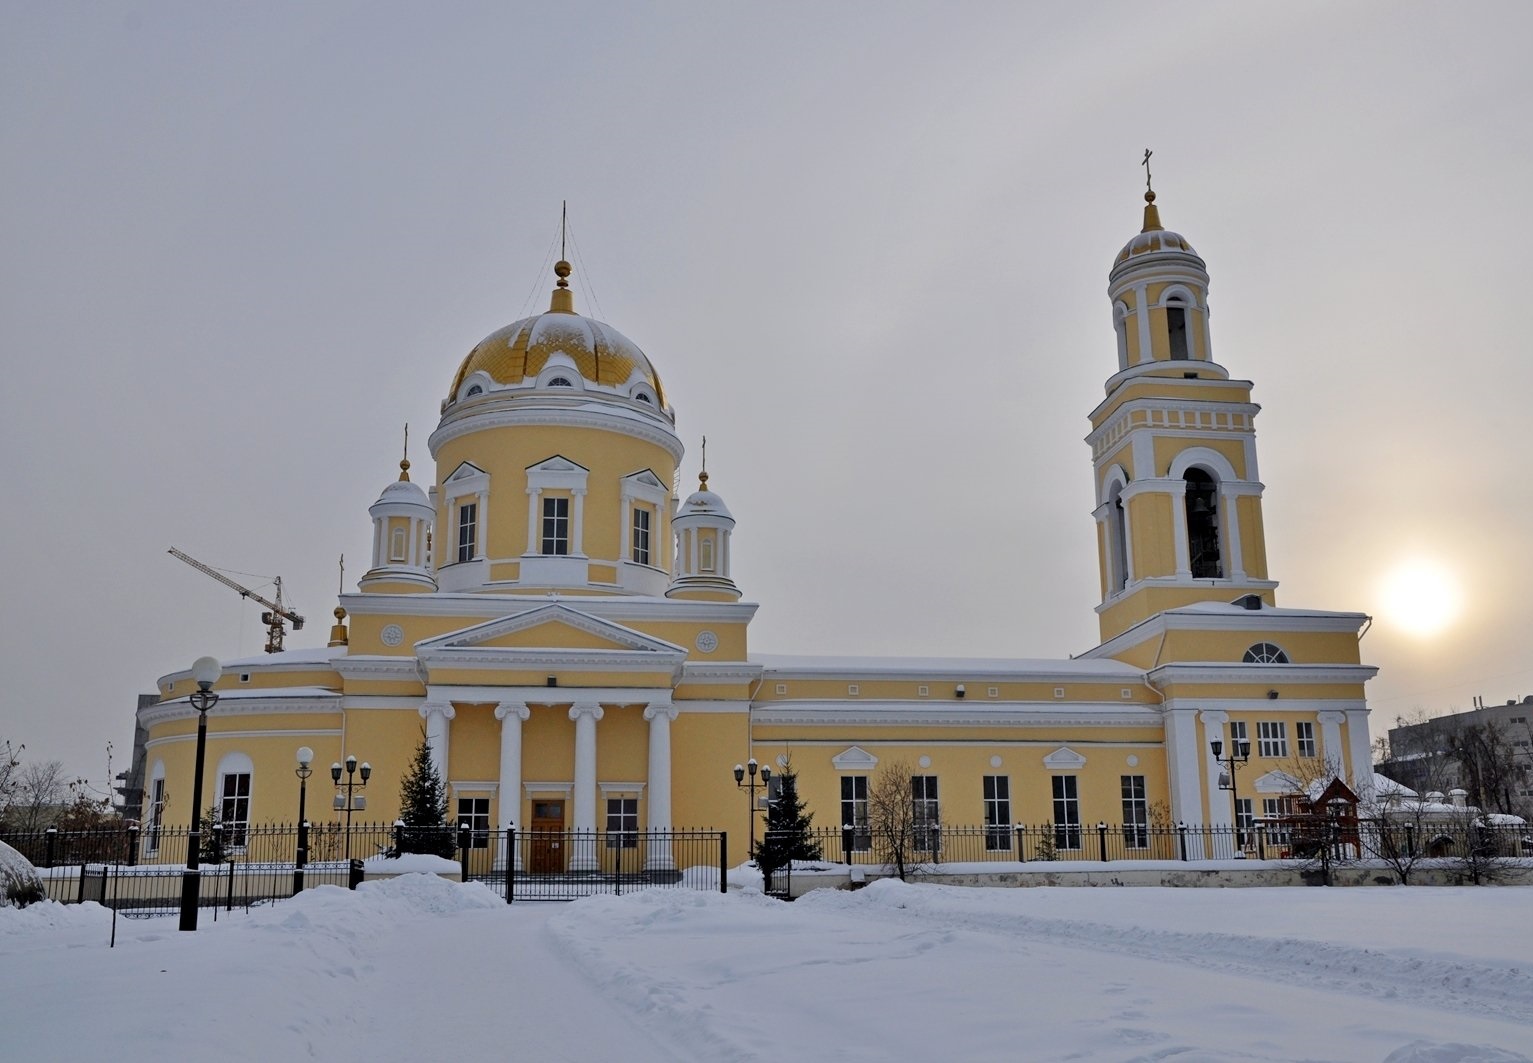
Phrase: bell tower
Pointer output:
(1173, 445)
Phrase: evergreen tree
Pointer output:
(423, 808)
(787, 836)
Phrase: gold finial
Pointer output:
(338, 633)
(562, 270)
(1151, 215)
(340, 612)
(404, 462)
(562, 267)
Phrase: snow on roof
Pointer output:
(310, 655)
(965, 666)
(1233, 609)
(268, 692)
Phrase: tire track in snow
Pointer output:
(1504, 993)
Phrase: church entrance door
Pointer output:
(548, 837)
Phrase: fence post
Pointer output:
(847, 841)
(1181, 832)
(229, 893)
(510, 862)
(52, 836)
(1410, 841)
(1021, 837)
(354, 874)
(465, 839)
(723, 861)
(1102, 839)
(1261, 841)
(617, 867)
(132, 854)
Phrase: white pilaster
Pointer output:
(1221, 812)
(1179, 530)
(1185, 765)
(437, 714)
(1361, 746)
(585, 714)
(659, 858)
(511, 714)
(577, 524)
(1331, 749)
(1236, 569)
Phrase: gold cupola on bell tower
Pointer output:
(1173, 445)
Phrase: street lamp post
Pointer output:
(349, 801)
(1240, 753)
(741, 771)
(205, 672)
(303, 771)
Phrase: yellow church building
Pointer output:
(567, 634)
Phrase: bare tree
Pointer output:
(40, 790)
(10, 769)
(1487, 763)
(892, 817)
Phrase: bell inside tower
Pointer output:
(1203, 526)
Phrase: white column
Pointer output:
(1330, 741)
(511, 714)
(482, 532)
(1230, 518)
(1220, 807)
(1142, 316)
(659, 858)
(577, 524)
(625, 531)
(1178, 494)
(585, 714)
(1361, 746)
(1184, 763)
(533, 539)
(437, 714)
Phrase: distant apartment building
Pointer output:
(1487, 751)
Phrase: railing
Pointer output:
(254, 864)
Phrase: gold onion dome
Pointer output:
(522, 349)
(1153, 238)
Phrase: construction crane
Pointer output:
(275, 613)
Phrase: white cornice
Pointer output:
(720, 672)
(462, 421)
(906, 714)
(181, 709)
(959, 670)
(1279, 674)
(1178, 405)
(376, 668)
(618, 608)
(476, 636)
(1254, 621)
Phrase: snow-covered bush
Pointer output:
(19, 881)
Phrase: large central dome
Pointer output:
(516, 354)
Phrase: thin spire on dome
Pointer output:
(1151, 215)
(404, 462)
(702, 476)
(563, 300)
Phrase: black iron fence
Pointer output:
(139, 874)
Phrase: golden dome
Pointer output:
(601, 353)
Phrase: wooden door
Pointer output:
(548, 839)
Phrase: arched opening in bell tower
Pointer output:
(1202, 504)
(1176, 329)
(1117, 527)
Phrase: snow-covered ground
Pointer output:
(421, 969)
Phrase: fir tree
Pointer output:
(787, 836)
(423, 808)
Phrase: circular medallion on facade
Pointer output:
(707, 641)
(995, 762)
(1133, 761)
(925, 762)
(392, 635)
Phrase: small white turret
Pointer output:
(402, 519)
(703, 527)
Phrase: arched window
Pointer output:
(1176, 328)
(397, 545)
(560, 382)
(1265, 653)
(705, 554)
(1203, 525)
(475, 390)
(642, 397)
(1120, 326)
(1117, 527)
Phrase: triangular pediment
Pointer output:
(854, 758)
(466, 471)
(551, 628)
(648, 479)
(1064, 758)
(1277, 782)
(557, 463)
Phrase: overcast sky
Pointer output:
(865, 245)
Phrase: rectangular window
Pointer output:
(1067, 812)
(475, 813)
(1304, 735)
(468, 530)
(854, 811)
(1238, 734)
(997, 812)
(556, 526)
(1276, 829)
(622, 823)
(234, 808)
(156, 815)
(640, 535)
(397, 545)
(1245, 821)
(926, 815)
(1136, 813)
(1272, 736)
